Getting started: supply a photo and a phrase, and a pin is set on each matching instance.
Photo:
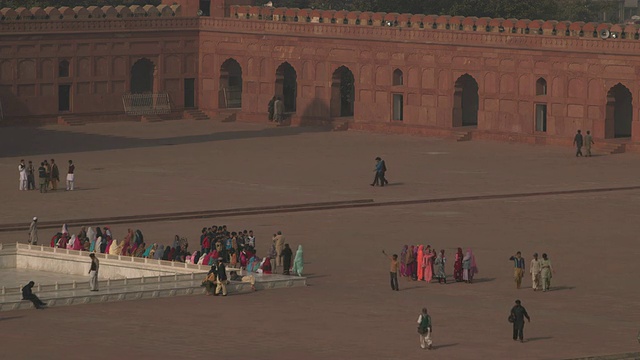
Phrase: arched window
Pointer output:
(541, 87)
(397, 77)
(63, 69)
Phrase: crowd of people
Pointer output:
(422, 263)
(48, 176)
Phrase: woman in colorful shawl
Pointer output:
(298, 262)
(403, 260)
(55, 238)
(107, 232)
(138, 238)
(62, 241)
(65, 229)
(82, 235)
(147, 252)
(266, 266)
(457, 266)
(108, 248)
(420, 262)
(409, 262)
(77, 244)
(252, 264)
(428, 269)
(165, 255)
(126, 243)
(439, 264)
(140, 249)
(91, 235)
(469, 267)
(243, 259)
(547, 272)
(115, 248)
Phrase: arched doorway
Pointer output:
(619, 112)
(142, 76)
(465, 101)
(230, 85)
(342, 92)
(287, 86)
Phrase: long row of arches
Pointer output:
(466, 101)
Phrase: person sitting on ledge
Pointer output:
(27, 294)
(233, 276)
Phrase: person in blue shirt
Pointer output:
(380, 170)
(518, 266)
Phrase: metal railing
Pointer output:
(146, 104)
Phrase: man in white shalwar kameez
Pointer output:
(22, 169)
(33, 232)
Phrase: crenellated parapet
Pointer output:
(435, 22)
(91, 12)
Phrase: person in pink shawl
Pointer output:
(469, 266)
(420, 264)
(428, 265)
(77, 244)
(403, 260)
(126, 247)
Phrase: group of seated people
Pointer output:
(101, 241)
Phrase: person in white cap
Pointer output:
(33, 232)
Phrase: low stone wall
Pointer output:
(43, 258)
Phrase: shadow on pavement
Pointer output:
(540, 338)
(28, 141)
(10, 318)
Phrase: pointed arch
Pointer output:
(465, 101)
(230, 88)
(541, 87)
(342, 92)
(619, 117)
(287, 86)
(398, 77)
(142, 73)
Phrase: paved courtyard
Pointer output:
(348, 311)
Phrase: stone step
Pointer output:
(462, 136)
(610, 148)
(195, 114)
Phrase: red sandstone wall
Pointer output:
(505, 57)
(101, 45)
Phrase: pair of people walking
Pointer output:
(585, 141)
(380, 170)
(541, 271)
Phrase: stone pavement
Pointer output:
(348, 311)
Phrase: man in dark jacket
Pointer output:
(578, 141)
(27, 294)
(222, 278)
(518, 314)
(286, 259)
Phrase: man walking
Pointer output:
(70, 176)
(278, 241)
(27, 294)
(518, 313)
(588, 141)
(55, 175)
(42, 178)
(535, 269)
(578, 141)
(271, 108)
(393, 271)
(222, 278)
(33, 231)
(379, 170)
(424, 329)
(22, 170)
(93, 272)
(518, 265)
(384, 172)
(31, 182)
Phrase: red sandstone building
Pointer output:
(516, 80)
